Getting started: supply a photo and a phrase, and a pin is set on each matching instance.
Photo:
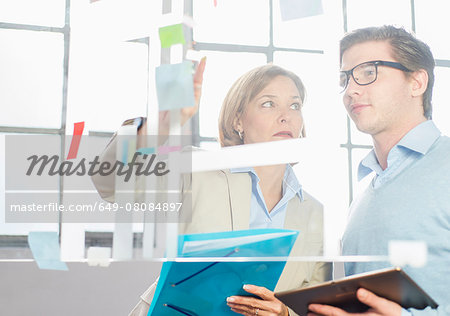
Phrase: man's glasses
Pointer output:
(366, 73)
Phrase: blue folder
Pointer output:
(201, 288)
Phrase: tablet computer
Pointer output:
(393, 284)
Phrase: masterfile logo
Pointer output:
(44, 180)
(142, 164)
(94, 167)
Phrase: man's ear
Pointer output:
(419, 82)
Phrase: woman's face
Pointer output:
(274, 114)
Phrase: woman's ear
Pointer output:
(419, 82)
(237, 124)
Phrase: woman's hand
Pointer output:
(250, 306)
(188, 112)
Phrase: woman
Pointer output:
(263, 105)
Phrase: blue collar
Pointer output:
(290, 180)
(419, 139)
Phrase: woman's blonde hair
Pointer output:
(242, 92)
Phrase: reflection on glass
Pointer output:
(441, 95)
(431, 20)
(364, 13)
(222, 69)
(31, 80)
(42, 12)
(232, 22)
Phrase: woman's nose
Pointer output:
(284, 115)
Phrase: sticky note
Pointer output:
(163, 150)
(296, 9)
(99, 256)
(76, 139)
(172, 34)
(45, 249)
(146, 150)
(175, 86)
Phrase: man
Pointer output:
(387, 79)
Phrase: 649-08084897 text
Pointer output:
(99, 206)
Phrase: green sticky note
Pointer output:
(172, 34)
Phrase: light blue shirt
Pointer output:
(260, 217)
(409, 149)
(409, 200)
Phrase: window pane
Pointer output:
(321, 109)
(432, 20)
(34, 12)
(222, 70)
(441, 95)
(210, 145)
(31, 78)
(358, 137)
(297, 33)
(108, 83)
(17, 228)
(232, 22)
(322, 170)
(363, 13)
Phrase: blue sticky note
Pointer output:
(175, 86)
(296, 9)
(146, 150)
(45, 249)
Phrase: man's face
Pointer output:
(383, 106)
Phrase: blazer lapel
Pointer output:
(295, 220)
(239, 185)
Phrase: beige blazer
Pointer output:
(221, 202)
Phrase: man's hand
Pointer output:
(378, 306)
(250, 306)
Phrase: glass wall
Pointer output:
(107, 77)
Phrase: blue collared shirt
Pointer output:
(410, 148)
(260, 217)
(413, 146)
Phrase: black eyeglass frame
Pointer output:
(376, 63)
